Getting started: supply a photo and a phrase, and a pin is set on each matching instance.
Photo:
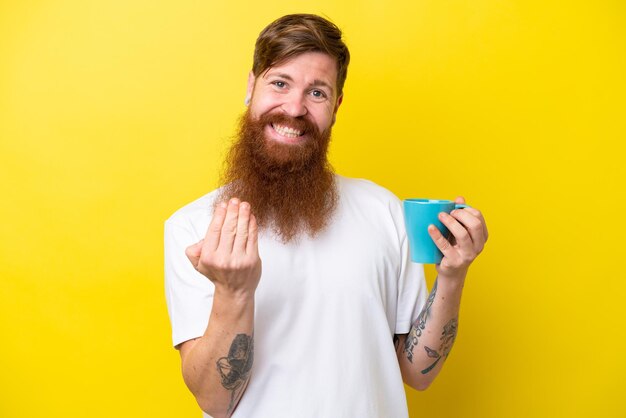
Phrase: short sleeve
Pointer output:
(412, 289)
(189, 294)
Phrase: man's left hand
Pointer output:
(467, 240)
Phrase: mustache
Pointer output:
(290, 187)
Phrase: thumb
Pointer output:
(460, 200)
(193, 252)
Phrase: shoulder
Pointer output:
(372, 207)
(371, 201)
(365, 190)
(196, 215)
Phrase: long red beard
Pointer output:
(290, 187)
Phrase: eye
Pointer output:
(318, 94)
(279, 84)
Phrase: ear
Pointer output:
(250, 88)
(339, 100)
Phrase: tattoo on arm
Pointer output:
(234, 369)
(418, 326)
(447, 340)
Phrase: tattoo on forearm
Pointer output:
(447, 340)
(234, 369)
(418, 326)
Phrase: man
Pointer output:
(337, 316)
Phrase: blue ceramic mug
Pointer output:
(418, 214)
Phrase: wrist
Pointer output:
(454, 281)
(234, 297)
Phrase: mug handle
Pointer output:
(461, 206)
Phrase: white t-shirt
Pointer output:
(326, 309)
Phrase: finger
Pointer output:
(440, 241)
(212, 238)
(241, 239)
(473, 226)
(460, 200)
(479, 215)
(461, 235)
(253, 236)
(229, 229)
(193, 253)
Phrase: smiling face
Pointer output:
(279, 161)
(296, 97)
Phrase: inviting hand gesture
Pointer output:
(229, 254)
(468, 236)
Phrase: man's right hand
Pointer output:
(229, 256)
(229, 253)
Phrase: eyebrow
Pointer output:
(315, 83)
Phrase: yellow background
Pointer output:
(115, 113)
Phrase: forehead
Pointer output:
(307, 67)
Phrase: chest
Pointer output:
(354, 260)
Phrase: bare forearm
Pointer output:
(424, 349)
(217, 367)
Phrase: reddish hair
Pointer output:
(295, 34)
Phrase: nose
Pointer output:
(294, 105)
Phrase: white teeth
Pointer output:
(286, 131)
